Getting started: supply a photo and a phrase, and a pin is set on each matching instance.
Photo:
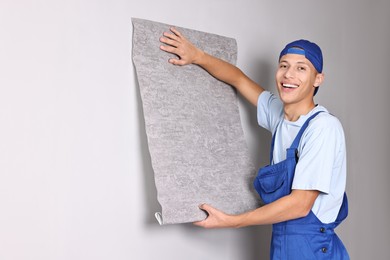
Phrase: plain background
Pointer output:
(75, 174)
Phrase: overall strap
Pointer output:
(297, 139)
(271, 153)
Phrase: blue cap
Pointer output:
(310, 50)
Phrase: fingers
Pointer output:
(168, 39)
(176, 32)
(175, 43)
(168, 48)
(176, 62)
(215, 218)
(200, 223)
(212, 220)
(175, 36)
(171, 45)
(203, 223)
(205, 207)
(173, 50)
(172, 39)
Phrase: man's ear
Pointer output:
(319, 79)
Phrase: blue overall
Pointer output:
(302, 238)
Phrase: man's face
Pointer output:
(296, 78)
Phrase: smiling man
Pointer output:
(303, 187)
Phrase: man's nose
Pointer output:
(289, 73)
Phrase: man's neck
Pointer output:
(292, 112)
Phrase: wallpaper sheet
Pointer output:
(195, 138)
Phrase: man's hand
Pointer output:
(177, 44)
(215, 219)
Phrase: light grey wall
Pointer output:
(75, 174)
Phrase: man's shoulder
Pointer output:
(325, 119)
(324, 126)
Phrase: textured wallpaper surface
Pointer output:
(193, 126)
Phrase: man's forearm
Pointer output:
(296, 205)
(231, 75)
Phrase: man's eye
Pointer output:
(302, 68)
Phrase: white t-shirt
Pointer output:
(322, 154)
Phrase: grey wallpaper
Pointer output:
(193, 126)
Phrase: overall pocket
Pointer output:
(271, 182)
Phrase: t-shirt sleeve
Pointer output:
(269, 110)
(317, 155)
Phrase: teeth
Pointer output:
(289, 86)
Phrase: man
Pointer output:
(304, 185)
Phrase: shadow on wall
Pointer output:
(151, 204)
(256, 244)
(258, 138)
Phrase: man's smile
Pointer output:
(287, 85)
